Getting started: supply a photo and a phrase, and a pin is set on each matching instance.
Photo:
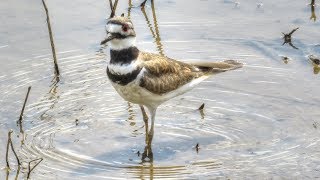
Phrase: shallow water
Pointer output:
(261, 121)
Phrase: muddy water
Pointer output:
(258, 122)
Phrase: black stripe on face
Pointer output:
(124, 56)
(123, 79)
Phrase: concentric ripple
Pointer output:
(258, 122)
(82, 129)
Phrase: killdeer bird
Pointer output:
(150, 79)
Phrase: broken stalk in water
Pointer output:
(31, 169)
(22, 110)
(12, 148)
(56, 67)
(201, 107)
(313, 13)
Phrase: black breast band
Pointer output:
(124, 56)
(123, 79)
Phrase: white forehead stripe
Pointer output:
(114, 28)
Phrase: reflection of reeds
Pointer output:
(143, 3)
(56, 67)
(156, 27)
(197, 148)
(22, 110)
(313, 13)
(201, 107)
(31, 169)
(156, 33)
(130, 7)
(113, 7)
(201, 110)
(9, 142)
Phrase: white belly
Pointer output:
(132, 92)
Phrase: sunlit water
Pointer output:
(261, 121)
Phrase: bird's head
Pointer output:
(120, 33)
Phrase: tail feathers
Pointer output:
(217, 67)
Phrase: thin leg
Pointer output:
(147, 153)
(144, 114)
(152, 111)
(145, 119)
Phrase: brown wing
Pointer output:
(164, 74)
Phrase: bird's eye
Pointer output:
(125, 28)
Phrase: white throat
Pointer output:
(119, 44)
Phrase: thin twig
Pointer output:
(56, 68)
(18, 172)
(12, 148)
(110, 2)
(22, 110)
(14, 152)
(113, 8)
(7, 152)
(31, 169)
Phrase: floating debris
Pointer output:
(197, 148)
(201, 107)
(316, 64)
(314, 60)
(285, 59)
(288, 39)
(315, 125)
(201, 111)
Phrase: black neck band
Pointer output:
(124, 56)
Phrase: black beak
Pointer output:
(107, 39)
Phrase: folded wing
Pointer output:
(163, 74)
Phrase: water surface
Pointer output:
(261, 121)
